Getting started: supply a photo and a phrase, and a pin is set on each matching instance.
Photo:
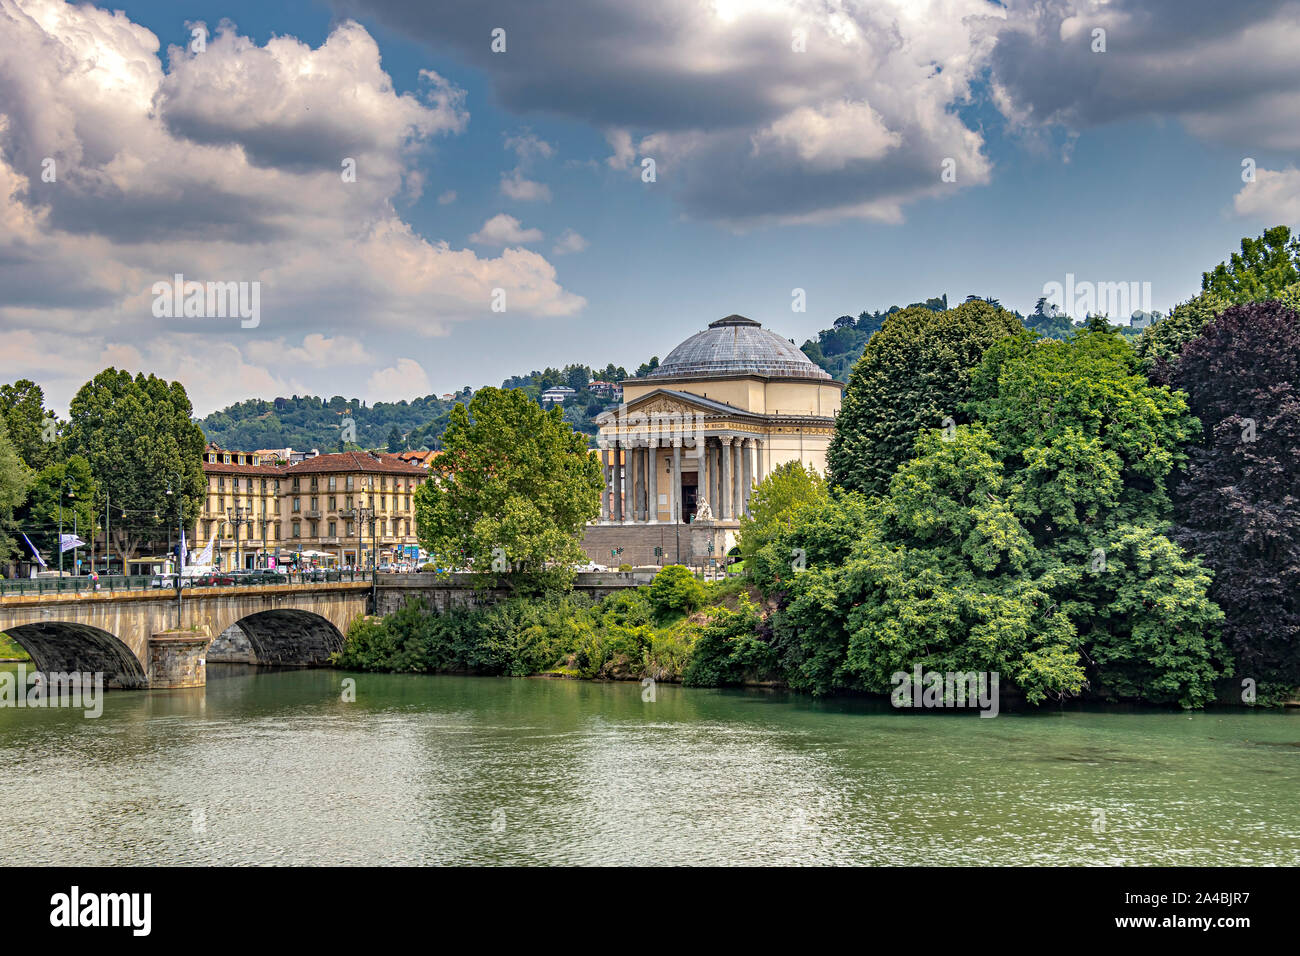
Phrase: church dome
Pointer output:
(736, 346)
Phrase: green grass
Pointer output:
(9, 649)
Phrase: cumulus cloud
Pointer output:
(1274, 195)
(446, 198)
(745, 124)
(403, 380)
(1228, 71)
(515, 186)
(227, 166)
(569, 242)
(504, 230)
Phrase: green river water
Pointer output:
(273, 767)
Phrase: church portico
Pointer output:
(682, 455)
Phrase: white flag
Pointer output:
(69, 541)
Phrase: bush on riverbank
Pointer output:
(649, 631)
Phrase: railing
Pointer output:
(109, 584)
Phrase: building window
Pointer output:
(221, 484)
(314, 506)
(333, 503)
(296, 529)
(295, 483)
(297, 504)
(348, 483)
(333, 481)
(333, 526)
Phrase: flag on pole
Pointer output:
(36, 554)
(181, 553)
(69, 541)
(205, 556)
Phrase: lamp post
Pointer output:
(71, 494)
(364, 515)
(236, 517)
(180, 550)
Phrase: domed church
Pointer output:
(692, 438)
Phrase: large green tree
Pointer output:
(67, 488)
(15, 479)
(139, 438)
(776, 501)
(1030, 542)
(1266, 269)
(22, 406)
(511, 477)
(914, 373)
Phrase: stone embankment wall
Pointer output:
(443, 591)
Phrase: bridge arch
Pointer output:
(288, 637)
(65, 646)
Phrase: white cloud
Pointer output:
(504, 230)
(225, 166)
(569, 242)
(404, 380)
(1274, 196)
(620, 140)
(515, 186)
(447, 197)
(745, 128)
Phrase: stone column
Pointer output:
(738, 478)
(759, 474)
(625, 507)
(702, 488)
(675, 486)
(747, 485)
(727, 495)
(652, 469)
(605, 478)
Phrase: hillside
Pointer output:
(307, 421)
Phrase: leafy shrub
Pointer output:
(675, 590)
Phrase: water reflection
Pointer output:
(274, 766)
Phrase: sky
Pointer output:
(419, 196)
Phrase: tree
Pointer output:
(1267, 268)
(1237, 501)
(15, 479)
(776, 502)
(139, 439)
(395, 443)
(844, 322)
(914, 373)
(22, 406)
(514, 483)
(1264, 267)
(647, 367)
(50, 490)
(1029, 542)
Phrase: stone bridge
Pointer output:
(140, 639)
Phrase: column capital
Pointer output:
(726, 440)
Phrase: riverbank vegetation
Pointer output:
(651, 631)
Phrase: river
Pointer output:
(274, 767)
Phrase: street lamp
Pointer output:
(71, 494)
(180, 550)
(236, 516)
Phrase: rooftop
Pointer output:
(734, 346)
